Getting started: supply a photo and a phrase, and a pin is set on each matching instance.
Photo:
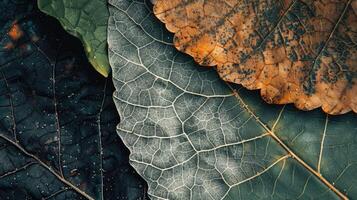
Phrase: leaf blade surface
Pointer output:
(192, 136)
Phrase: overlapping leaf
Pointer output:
(57, 117)
(192, 136)
(295, 51)
(87, 20)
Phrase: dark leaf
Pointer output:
(57, 117)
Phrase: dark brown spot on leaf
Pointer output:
(295, 51)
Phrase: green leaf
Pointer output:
(57, 116)
(192, 136)
(87, 20)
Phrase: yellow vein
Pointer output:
(277, 178)
(262, 172)
(278, 119)
(322, 146)
(293, 155)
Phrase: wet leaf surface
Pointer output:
(57, 116)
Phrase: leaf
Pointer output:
(193, 136)
(87, 20)
(301, 52)
(57, 117)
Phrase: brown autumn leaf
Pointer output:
(296, 51)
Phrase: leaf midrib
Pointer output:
(52, 171)
(290, 152)
(270, 132)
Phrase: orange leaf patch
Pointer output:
(295, 51)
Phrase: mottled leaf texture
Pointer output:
(192, 136)
(87, 20)
(57, 119)
(295, 51)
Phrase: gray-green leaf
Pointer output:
(87, 20)
(193, 136)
